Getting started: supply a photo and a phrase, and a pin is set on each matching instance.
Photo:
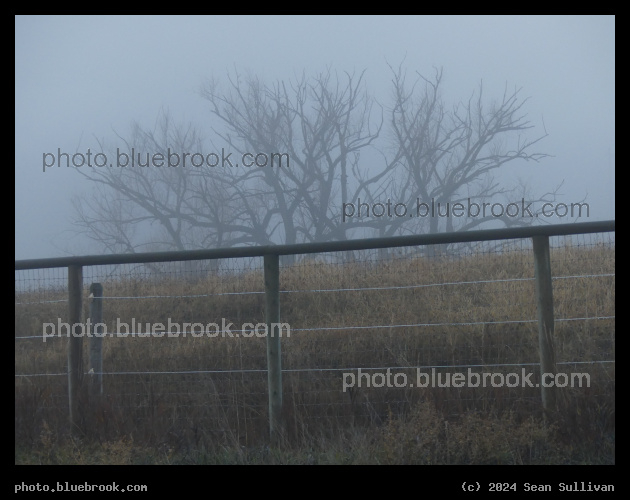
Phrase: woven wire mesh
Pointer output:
(181, 361)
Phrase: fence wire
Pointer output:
(352, 316)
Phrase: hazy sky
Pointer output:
(77, 78)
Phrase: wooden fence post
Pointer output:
(274, 364)
(96, 341)
(544, 305)
(75, 342)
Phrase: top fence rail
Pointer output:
(323, 247)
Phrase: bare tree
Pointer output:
(322, 125)
(318, 129)
(318, 126)
(129, 200)
(143, 208)
(451, 156)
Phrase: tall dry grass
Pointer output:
(477, 303)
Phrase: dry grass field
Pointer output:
(198, 400)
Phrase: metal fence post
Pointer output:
(96, 341)
(544, 305)
(75, 343)
(274, 364)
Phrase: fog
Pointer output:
(80, 80)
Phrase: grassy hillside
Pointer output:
(449, 314)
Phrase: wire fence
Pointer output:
(372, 333)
